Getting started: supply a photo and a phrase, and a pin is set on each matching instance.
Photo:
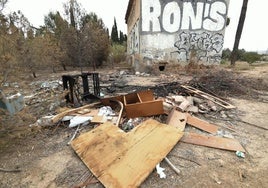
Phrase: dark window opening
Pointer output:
(162, 68)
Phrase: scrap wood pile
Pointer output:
(128, 127)
(228, 83)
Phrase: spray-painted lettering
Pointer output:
(206, 45)
(176, 15)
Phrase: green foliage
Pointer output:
(118, 53)
(94, 41)
(251, 57)
(242, 55)
(223, 62)
(114, 33)
(85, 44)
(122, 38)
(226, 54)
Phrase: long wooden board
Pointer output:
(212, 141)
(120, 159)
(201, 124)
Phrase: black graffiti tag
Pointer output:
(208, 46)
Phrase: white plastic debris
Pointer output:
(77, 120)
(67, 118)
(160, 171)
(106, 111)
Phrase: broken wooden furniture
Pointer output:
(138, 104)
(75, 95)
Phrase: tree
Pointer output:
(2, 5)
(251, 57)
(114, 33)
(226, 54)
(239, 32)
(88, 42)
(74, 12)
(95, 40)
(13, 28)
(122, 38)
(72, 38)
(56, 27)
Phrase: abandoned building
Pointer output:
(175, 30)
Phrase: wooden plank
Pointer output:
(83, 111)
(210, 97)
(59, 116)
(212, 141)
(99, 119)
(93, 112)
(201, 124)
(120, 159)
(177, 119)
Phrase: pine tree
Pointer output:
(114, 33)
(121, 37)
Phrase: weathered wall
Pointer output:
(133, 28)
(171, 29)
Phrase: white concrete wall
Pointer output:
(170, 29)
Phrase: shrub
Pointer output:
(251, 57)
(118, 53)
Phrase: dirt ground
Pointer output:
(40, 157)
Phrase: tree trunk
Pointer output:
(34, 74)
(94, 65)
(64, 67)
(53, 69)
(239, 32)
(71, 11)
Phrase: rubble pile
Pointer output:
(124, 126)
(127, 120)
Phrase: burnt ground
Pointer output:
(33, 156)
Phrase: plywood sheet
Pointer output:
(212, 141)
(201, 124)
(120, 159)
